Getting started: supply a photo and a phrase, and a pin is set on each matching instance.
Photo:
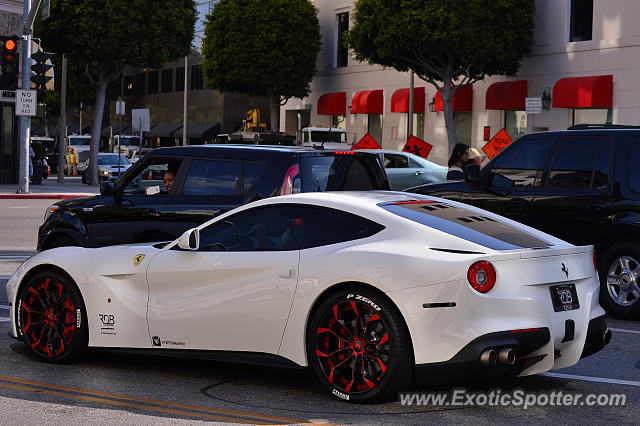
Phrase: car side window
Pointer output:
(251, 174)
(521, 163)
(156, 177)
(576, 162)
(213, 177)
(395, 161)
(413, 164)
(285, 227)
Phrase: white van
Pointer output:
(327, 137)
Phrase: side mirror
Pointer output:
(190, 240)
(107, 188)
(472, 173)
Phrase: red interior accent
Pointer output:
(524, 330)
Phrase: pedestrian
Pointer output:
(458, 159)
(475, 157)
(32, 155)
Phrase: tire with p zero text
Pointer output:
(359, 347)
(51, 317)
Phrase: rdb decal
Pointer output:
(364, 299)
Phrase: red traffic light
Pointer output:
(10, 45)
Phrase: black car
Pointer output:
(173, 189)
(581, 185)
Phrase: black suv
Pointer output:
(173, 189)
(581, 185)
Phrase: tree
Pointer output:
(102, 37)
(262, 47)
(448, 43)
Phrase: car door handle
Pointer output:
(518, 203)
(418, 173)
(287, 273)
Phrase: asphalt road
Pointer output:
(117, 388)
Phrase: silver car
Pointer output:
(406, 170)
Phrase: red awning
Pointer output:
(507, 95)
(333, 104)
(400, 100)
(462, 101)
(584, 92)
(367, 102)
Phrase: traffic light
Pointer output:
(41, 69)
(9, 63)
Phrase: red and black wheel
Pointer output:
(359, 347)
(51, 317)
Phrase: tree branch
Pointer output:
(89, 76)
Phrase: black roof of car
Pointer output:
(230, 148)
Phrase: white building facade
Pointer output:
(584, 64)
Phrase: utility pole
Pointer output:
(410, 124)
(25, 121)
(62, 133)
(184, 122)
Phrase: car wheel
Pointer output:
(359, 346)
(52, 318)
(620, 281)
(61, 242)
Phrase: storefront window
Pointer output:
(418, 125)
(515, 123)
(592, 116)
(338, 121)
(375, 127)
(463, 126)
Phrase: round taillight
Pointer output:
(481, 276)
(595, 263)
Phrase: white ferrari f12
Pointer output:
(368, 289)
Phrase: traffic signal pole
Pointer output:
(25, 122)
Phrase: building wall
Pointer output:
(614, 49)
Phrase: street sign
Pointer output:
(26, 102)
(499, 142)
(533, 105)
(417, 146)
(367, 142)
(140, 120)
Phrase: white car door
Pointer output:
(235, 293)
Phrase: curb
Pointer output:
(43, 196)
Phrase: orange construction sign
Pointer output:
(499, 142)
(367, 142)
(417, 146)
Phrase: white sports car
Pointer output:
(368, 289)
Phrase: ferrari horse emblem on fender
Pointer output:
(366, 289)
(136, 260)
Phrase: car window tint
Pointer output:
(466, 224)
(414, 164)
(284, 227)
(601, 172)
(211, 177)
(251, 173)
(150, 180)
(342, 172)
(521, 162)
(634, 170)
(395, 161)
(574, 162)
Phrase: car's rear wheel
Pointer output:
(52, 318)
(359, 346)
(620, 281)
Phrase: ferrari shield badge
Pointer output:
(138, 259)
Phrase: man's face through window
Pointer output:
(169, 177)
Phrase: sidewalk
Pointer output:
(50, 189)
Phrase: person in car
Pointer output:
(476, 157)
(457, 161)
(169, 178)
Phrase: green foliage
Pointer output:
(444, 38)
(262, 47)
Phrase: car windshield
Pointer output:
(112, 160)
(79, 141)
(467, 224)
(325, 136)
(343, 172)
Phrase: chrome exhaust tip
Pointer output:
(488, 358)
(606, 337)
(507, 356)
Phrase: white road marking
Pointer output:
(623, 330)
(593, 379)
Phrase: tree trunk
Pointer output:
(275, 113)
(449, 120)
(96, 127)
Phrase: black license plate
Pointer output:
(564, 297)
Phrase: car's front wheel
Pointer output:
(359, 347)
(52, 317)
(620, 281)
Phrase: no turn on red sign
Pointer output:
(26, 102)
